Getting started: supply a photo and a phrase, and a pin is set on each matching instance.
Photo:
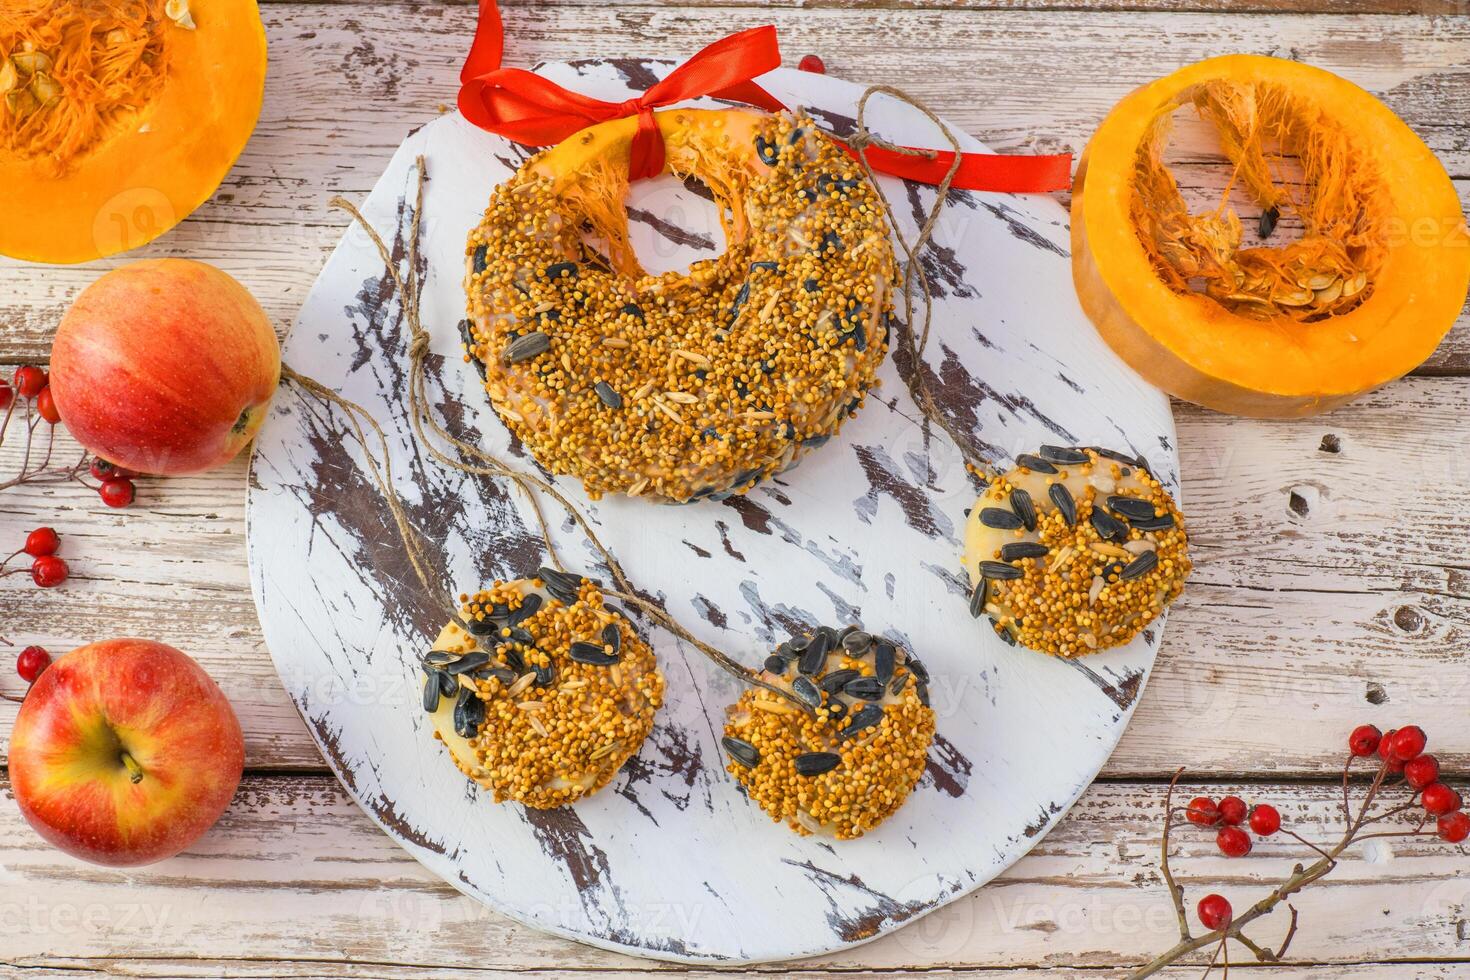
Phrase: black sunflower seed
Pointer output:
(591, 654)
(431, 691)
(469, 713)
(1017, 550)
(1108, 527)
(917, 668)
(832, 683)
(513, 660)
(1063, 455)
(479, 257)
(865, 717)
(899, 683)
(996, 517)
(1132, 507)
(864, 688)
(504, 675)
(468, 662)
(524, 348)
(830, 242)
(741, 751)
(814, 657)
(857, 642)
(482, 627)
(545, 674)
(557, 269)
(816, 763)
(1160, 523)
(609, 397)
(832, 638)
(438, 658)
(1116, 456)
(978, 596)
(999, 571)
(766, 151)
(521, 635)
(632, 309)
(807, 692)
(530, 605)
(1004, 634)
(883, 661)
(767, 266)
(1062, 498)
(799, 643)
(836, 708)
(776, 664)
(448, 683)
(612, 637)
(811, 285)
(1035, 463)
(1141, 565)
(1267, 222)
(1025, 508)
(923, 692)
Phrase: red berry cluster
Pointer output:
(29, 382)
(41, 545)
(1228, 815)
(1402, 752)
(117, 488)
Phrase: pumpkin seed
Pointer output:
(178, 12)
(45, 89)
(30, 62)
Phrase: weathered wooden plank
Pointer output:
(301, 883)
(1024, 80)
(1330, 589)
(1425, 7)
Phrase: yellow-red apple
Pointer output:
(164, 366)
(124, 753)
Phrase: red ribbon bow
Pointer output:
(528, 108)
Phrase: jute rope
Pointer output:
(424, 422)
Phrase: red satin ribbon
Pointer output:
(529, 109)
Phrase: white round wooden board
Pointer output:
(671, 861)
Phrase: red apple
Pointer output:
(164, 366)
(124, 753)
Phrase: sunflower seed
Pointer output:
(923, 691)
(865, 717)
(918, 669)
(1062, 498)
(545, 674)
(591, 654)
(814, 657)
(766, 151)
(1132, 507)
(999, 571)
(883, 661)
(1025, 509)
(1063, 455)
(438, 658)
(1017, 550)
(513, 660)
(864, 688)
(799, 643)
(816, 763)
(526, 347)
(467, 663)
(1003, 520)
(521, 635)
(807, 692)
(832, 683)
(482, 627)
(431, 691)
(775, 664)
(857, 642)
(978, 596)
(899, 683)
(556, 269)
(1141, 565)
(1116, 456)
(1003, 633)
(741, 751)
(836, 708)
(529, 606)
(1034, 463)
(469, 713)
(448, 683)
(1107, 526)
(612, 637)
(1160, 523)
(609, 397)
(1267, 222)
(479, 259)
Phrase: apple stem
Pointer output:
(135, 771)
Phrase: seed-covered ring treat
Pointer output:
(547, 694)
(846, 765)
(681, 386)
(1074, 551)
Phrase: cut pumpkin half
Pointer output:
(119, 117)
(1359, 292)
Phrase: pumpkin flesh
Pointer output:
(1288, 328)
(118, 118)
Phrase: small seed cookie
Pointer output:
(547, 695)
(681, 386)
(844, 767)
(1074, 551)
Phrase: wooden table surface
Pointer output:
(1333, 555)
